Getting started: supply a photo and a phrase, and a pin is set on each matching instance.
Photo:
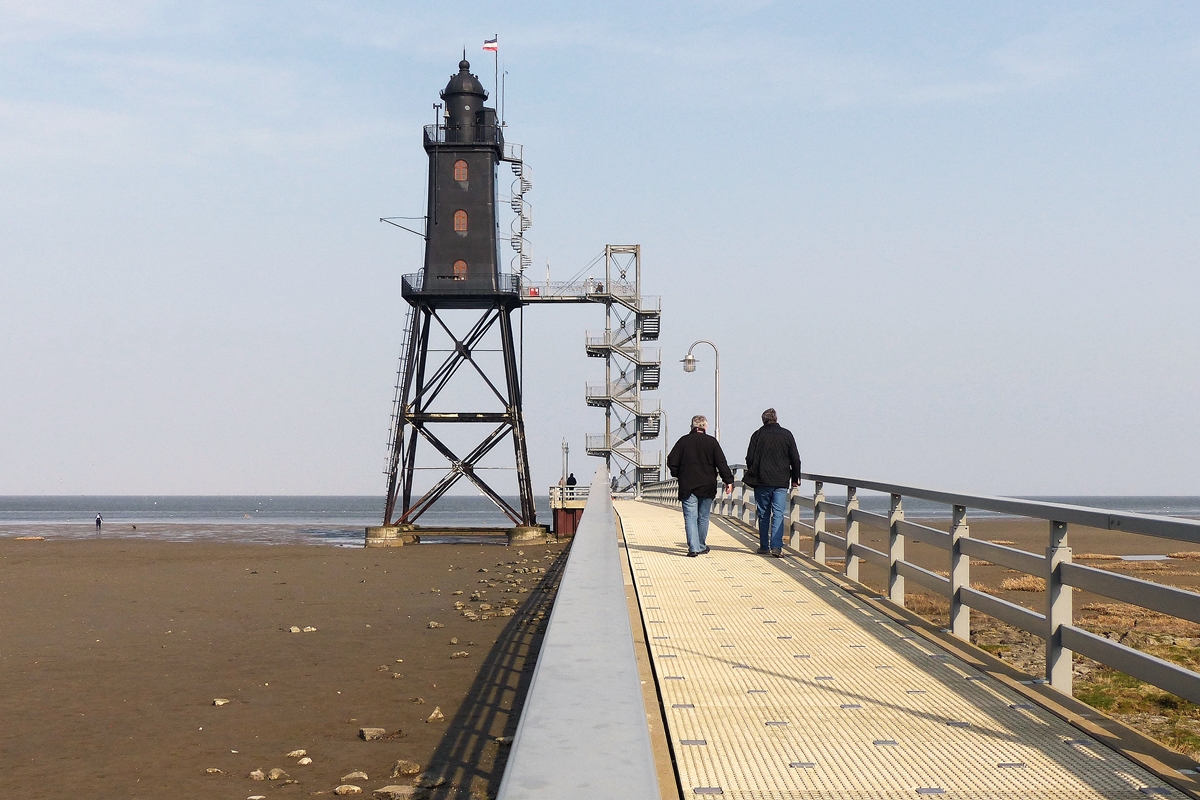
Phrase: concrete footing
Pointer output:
(391, 536)
(527, 534)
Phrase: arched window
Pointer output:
(460, 170)
(460, 270)
(460, 221)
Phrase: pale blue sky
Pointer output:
(954, 246)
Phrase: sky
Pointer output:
(954, 245)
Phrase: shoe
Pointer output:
(762, 551)
(706, 549)
(692, 554)
(777, 553)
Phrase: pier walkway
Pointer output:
(776, 682)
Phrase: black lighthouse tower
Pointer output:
(461, 280)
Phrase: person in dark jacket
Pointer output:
(696, 460)
(772, 468)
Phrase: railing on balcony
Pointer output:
(622, 392)
(568, 496)
(475, 134)
(643, 459)
(414, 283)
(624, 344)
(1055, 624)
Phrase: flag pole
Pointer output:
(496, 73)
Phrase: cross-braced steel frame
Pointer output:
(420, 387)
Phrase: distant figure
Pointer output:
(614, 483)
(772, 468)
(696, 460)
(99, 522)
(571, 479)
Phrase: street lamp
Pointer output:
(689, 365)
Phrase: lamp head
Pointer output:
(689, 363)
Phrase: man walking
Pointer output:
(696, 460)
(772, 468)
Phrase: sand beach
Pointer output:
(112, 652)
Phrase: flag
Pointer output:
(492, 45)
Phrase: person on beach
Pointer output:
(772, 468)
(696, 460)
(99, 522)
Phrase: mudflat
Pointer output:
(113, 651)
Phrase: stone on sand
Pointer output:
(357, 775)
(215, 771)
(220, 701)
(371, 734)
(294, 629)
(433, 625)
(460, 654)
(429, 780)
(404, 767)
(277, 774)
(437, 715)
(297, 754)
(257, 775)
(347, 788)
(397, 792)
(304, 762)
(309, 629)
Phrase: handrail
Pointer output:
(1184, 530)
(584, 720)
(1055, 625)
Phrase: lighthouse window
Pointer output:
(460, 222)
(460, 270)
(460, 170)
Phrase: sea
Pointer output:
(340, 520)
(265, 519)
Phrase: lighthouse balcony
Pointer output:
(502, 284)
(492, 135)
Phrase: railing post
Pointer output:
(747, 502)
(895, 551)
(850, 565)
(818, 523)
(1059, 668)
(793, 526)
(960, 575)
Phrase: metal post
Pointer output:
(793, 526)
(960, 575)
(850, 565)
(818, 523)
(895, 551)
(748, 505)
(1058, 610)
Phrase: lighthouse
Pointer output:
(461, 295)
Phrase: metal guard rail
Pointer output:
(1055, 624)
(584, 722)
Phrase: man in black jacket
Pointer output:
(772, 468)
(696, 460)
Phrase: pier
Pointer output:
(783, 678)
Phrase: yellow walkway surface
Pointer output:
(777, 683)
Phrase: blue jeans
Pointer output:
(695, 521)
(772, 511)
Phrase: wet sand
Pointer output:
(112, 652)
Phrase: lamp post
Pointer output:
(689, 365)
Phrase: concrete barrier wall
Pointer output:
(583, 731)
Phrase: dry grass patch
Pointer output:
(1006, 542)
(1026, 583)
(1097, 557)
(1138, 566)
(1189, 555)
